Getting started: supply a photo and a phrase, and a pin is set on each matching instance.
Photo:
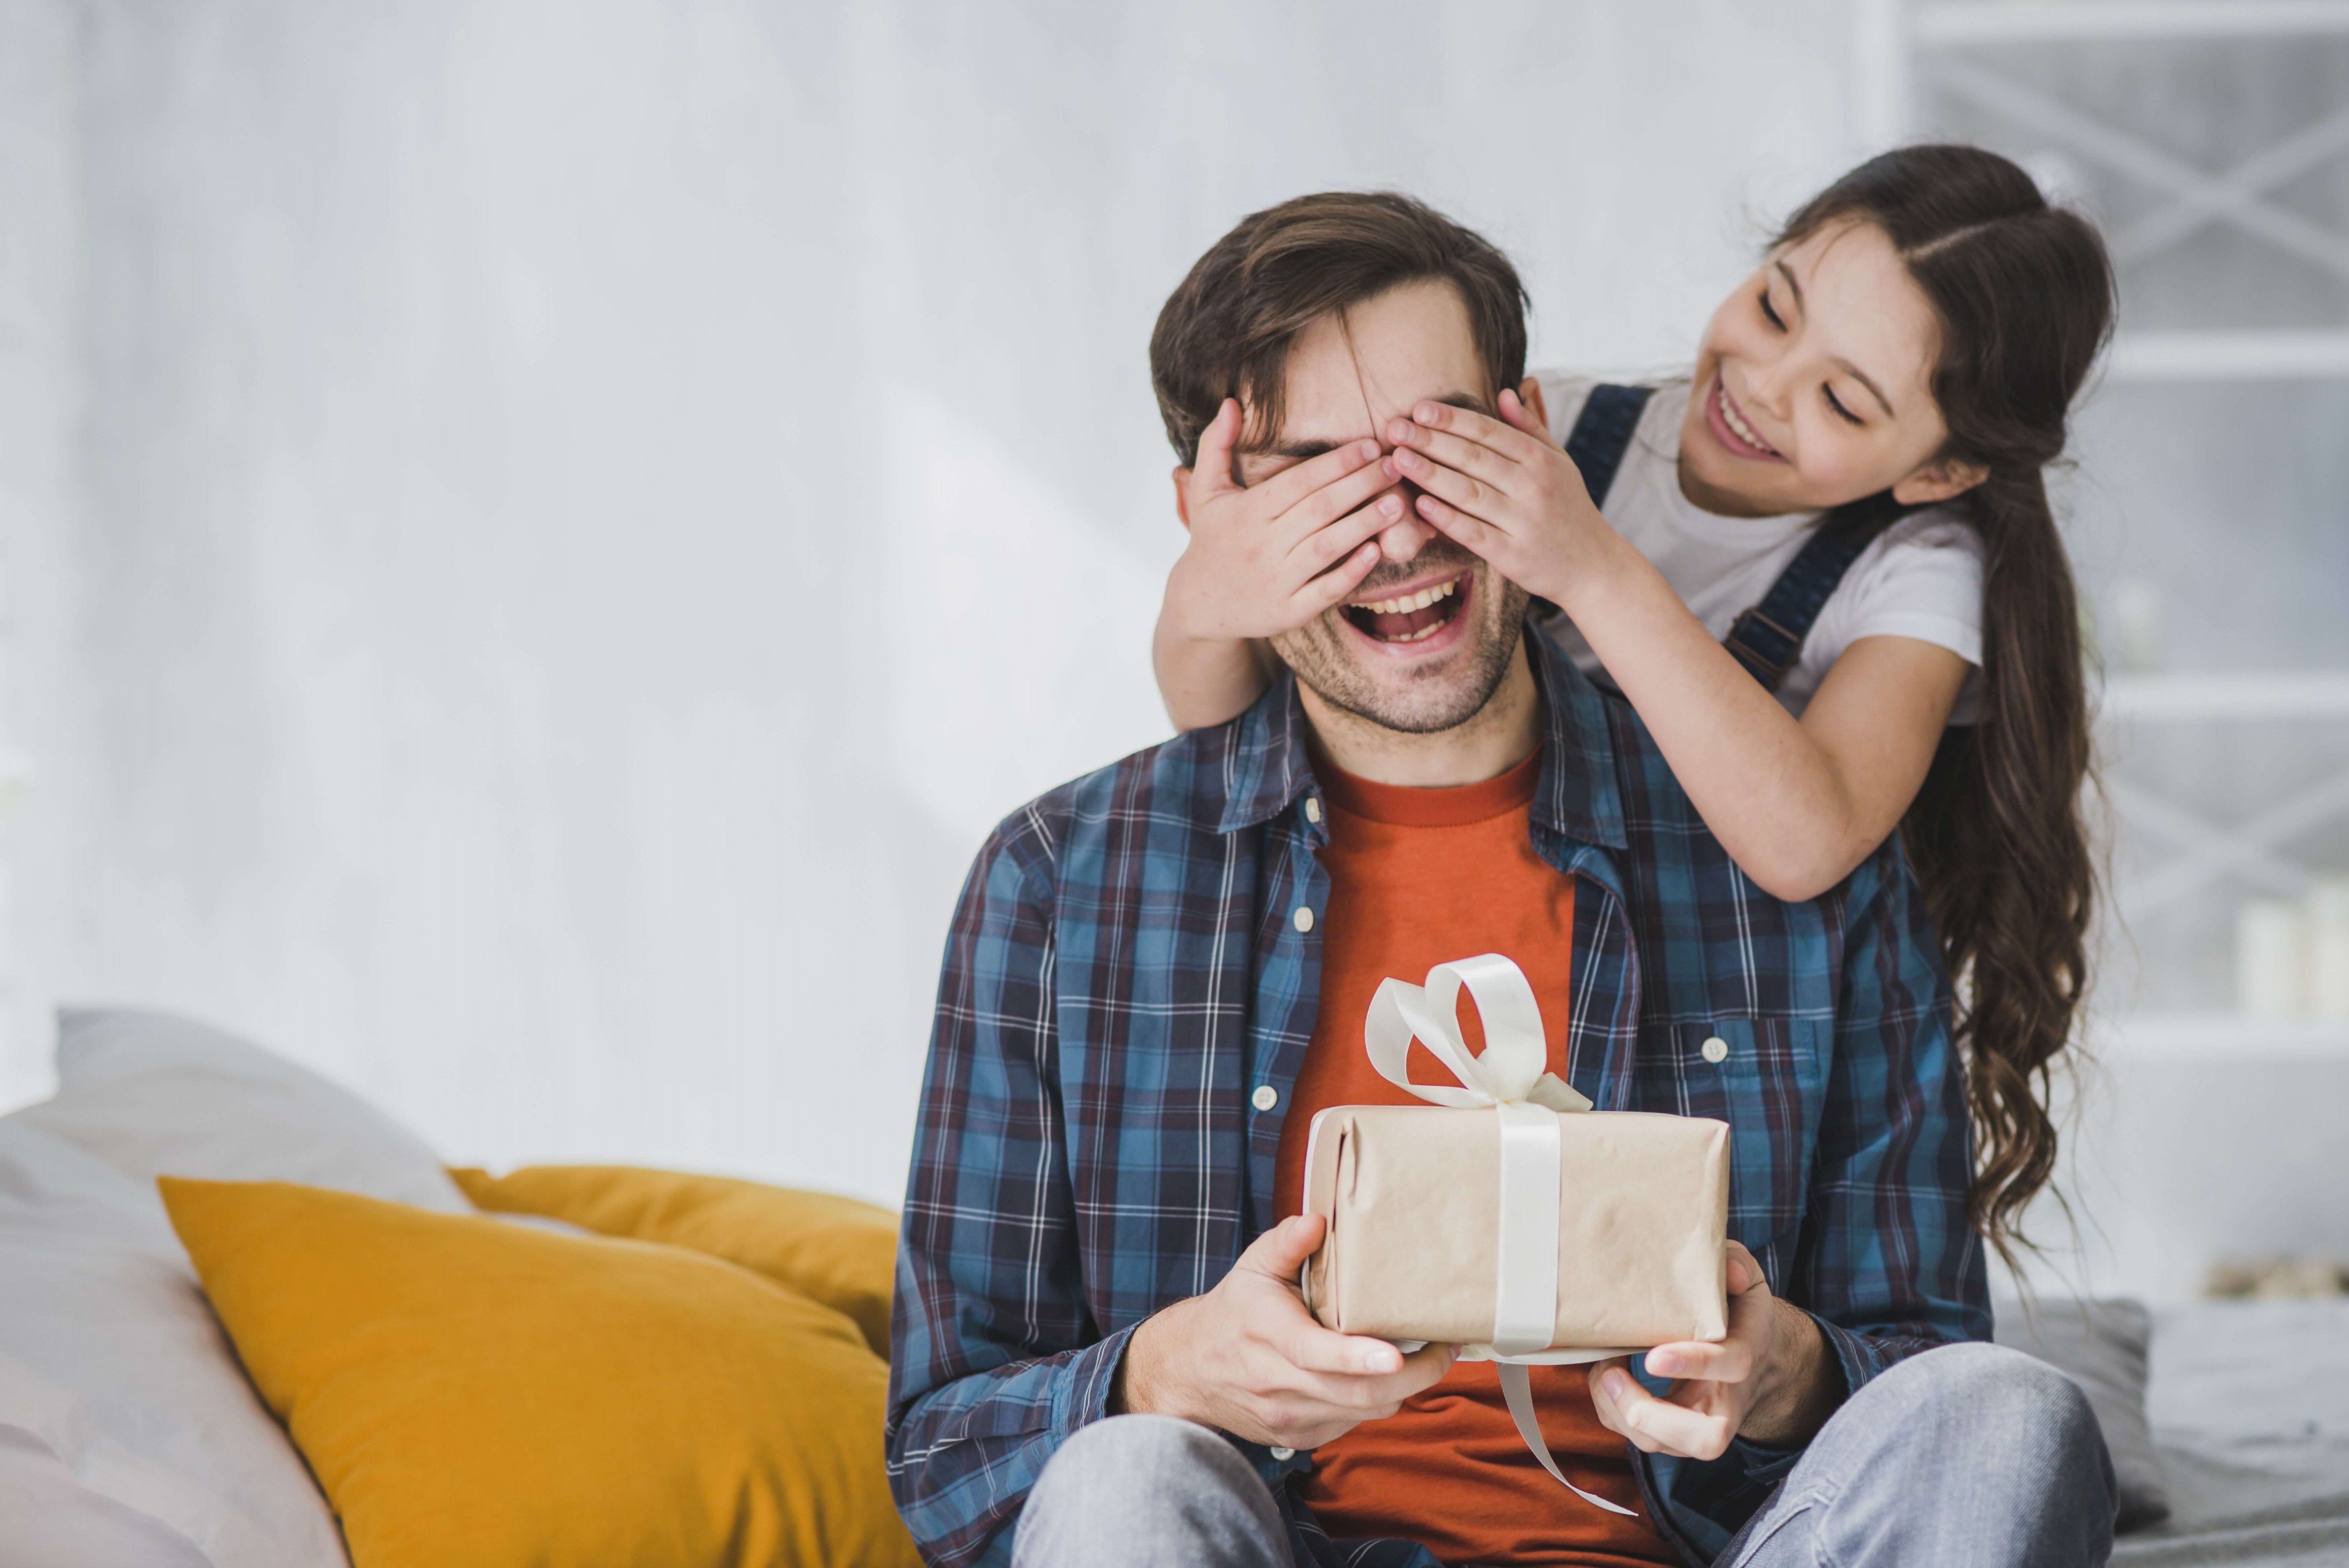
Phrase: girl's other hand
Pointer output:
(1503, 489)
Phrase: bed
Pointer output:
(2249, 1405)
(129, 1434)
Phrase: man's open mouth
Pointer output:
(1413, 616)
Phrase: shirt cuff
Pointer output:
(1860, 1357)
(1852, 1362)
(1080, 1392)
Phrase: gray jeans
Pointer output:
(1966, 1456)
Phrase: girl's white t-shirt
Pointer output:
(1922, 578)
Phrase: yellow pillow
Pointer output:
(842, 1252)
(468, 1391)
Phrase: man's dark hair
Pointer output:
(1226, 332)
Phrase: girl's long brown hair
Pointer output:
(2024, 296)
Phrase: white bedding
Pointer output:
(2249, 1402)
(126, 1422)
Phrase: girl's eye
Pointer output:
(1769, 311)
(1837, 404)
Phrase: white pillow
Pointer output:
(112, 1364)
(154, 1094)
(55, 1521)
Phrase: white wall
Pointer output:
(43, 692)
(589, 511)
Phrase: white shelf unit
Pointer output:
(2202, 852)
(2218, 1037)
(1901, 44)
(1906, 48)
(2245, 694)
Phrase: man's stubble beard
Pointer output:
(1441, 699)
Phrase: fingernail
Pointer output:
(1663, 1364)
(1391, 506)
(1617, 1385)
(1388, 468)
(1425, 413)
(1367, 450)
(1381, 1361)
(1406, 459)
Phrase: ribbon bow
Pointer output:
(1512, 1069)
(1512, 1078)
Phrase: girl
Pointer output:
(1827, 578)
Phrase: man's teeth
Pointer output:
(1430, 629)
(1418, 601)
(1744, 431)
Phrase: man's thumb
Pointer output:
(1281, 1251)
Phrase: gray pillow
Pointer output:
(2101, 1346)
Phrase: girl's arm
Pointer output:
(1205, 682)
(1796, 803)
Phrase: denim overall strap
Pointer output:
(1767, 637)
(1602, 434)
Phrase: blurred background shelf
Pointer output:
(2172, 698)
(2222, 1037)
(2212, 356)
(2209, 142)
(2019, 21)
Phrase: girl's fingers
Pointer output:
(1472, 533)
(1328, 503)
(1330, 589)
(1467, 456)
(1211, 472)
(1280, 495)
(1321, 549)
(1511, 443)
(1466, 492)
(1514, 411)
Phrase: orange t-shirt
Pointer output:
(1418, 877)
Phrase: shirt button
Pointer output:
(1265, 1097)
(1715, 1049)
(1284, 1455)
(1313, 813)
(1304, 917)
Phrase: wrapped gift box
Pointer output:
(1411, 1194)
(1505, 1215)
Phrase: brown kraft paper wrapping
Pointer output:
(1412, 1195)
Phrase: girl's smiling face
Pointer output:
(1814, 385)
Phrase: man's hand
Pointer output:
(1772, 1381)
(1248, 1359)
(1504, 490)
(1267, 558)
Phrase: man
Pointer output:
(1158, 972)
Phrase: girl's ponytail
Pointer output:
(2025, 293)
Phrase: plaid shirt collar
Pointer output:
(1577, 796)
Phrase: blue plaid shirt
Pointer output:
(1126, 967)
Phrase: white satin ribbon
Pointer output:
(1511, 1076)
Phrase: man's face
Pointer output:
(1423, 643)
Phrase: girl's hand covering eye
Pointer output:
(1267, 558)
(1503, 489)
